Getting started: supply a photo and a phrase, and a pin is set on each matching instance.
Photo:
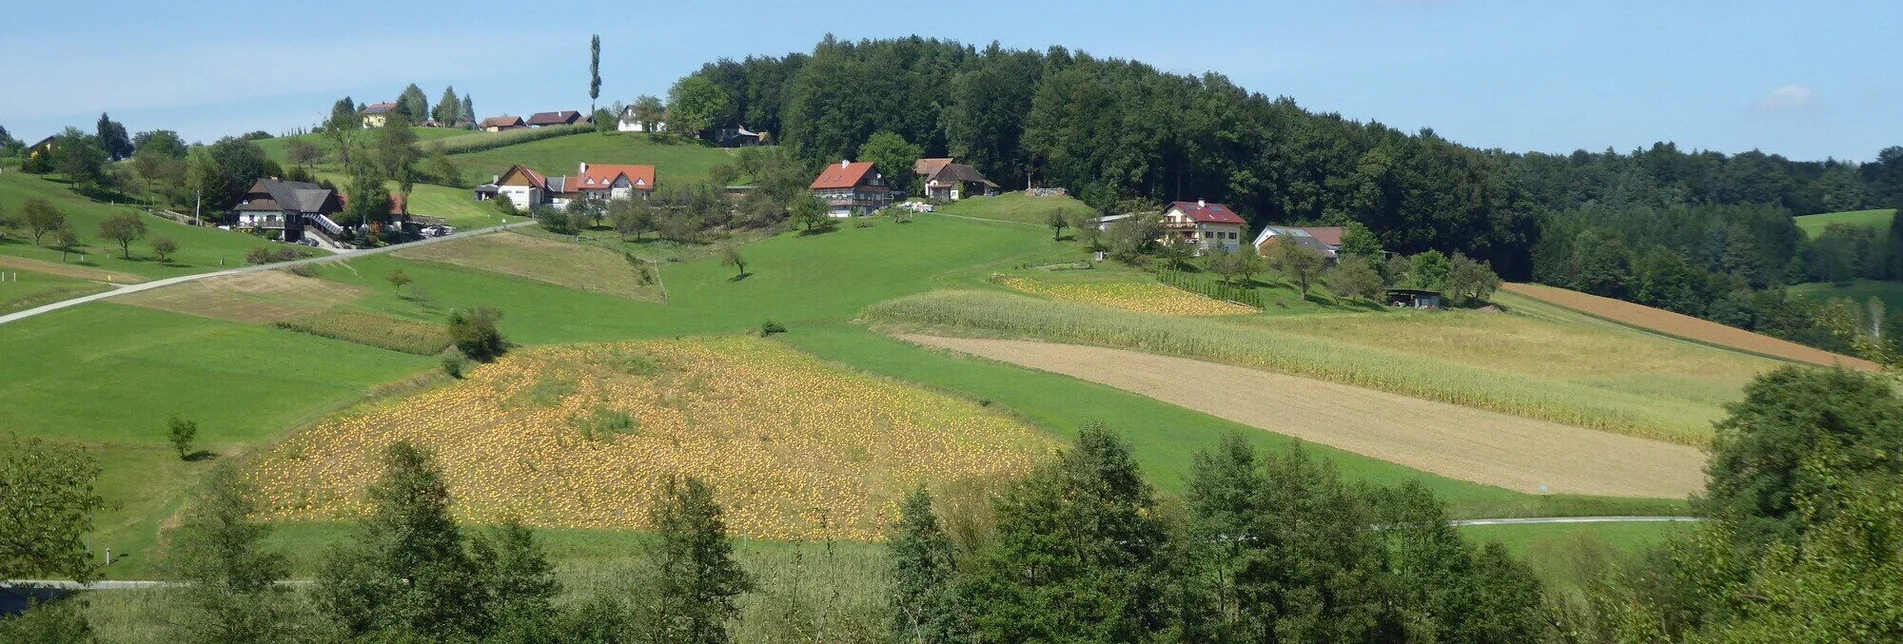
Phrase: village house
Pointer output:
(851, 189)
(500, 123)
(1205, 226)
(947, 180)
(628, 123)
(287, 206)
(376, 114)
(546, 119)
(1325, 240)
(527, 188)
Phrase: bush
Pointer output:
(273, 255)
(474, 332)
(453, 365)
(770, 327)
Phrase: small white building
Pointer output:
(628, 123)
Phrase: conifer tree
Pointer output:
(697, 579)
(923, 602)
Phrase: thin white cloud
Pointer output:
(1788, 97)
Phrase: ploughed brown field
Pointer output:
(1684, 326)
(1457, 442)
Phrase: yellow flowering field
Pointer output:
(580, 436)
(1140, 297)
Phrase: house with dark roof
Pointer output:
(376, 114)
(1324, 239)
(851, 189)
(286, 206)
(925, 168)
(545, 119)
(500, 123)
(1205, 226)
(954, 181)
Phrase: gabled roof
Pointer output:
(502, 121)
(1206, 213)
(602, 177)
(296, 196)
(379, 108)
(1300, 236)
(1329, 235)
(959, 172)
(842, 176)
(535, 178)
(929, 167)
(563, 117)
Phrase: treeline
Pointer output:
(1111, 129)
(1727, 264)
(1804, 543)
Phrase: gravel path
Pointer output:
(1457, 442)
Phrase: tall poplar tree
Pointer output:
(594, 71)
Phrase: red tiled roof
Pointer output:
(602, 177)
(1208, 213)
(842, 176)
(1330, 235)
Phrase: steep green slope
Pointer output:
(1813, 225)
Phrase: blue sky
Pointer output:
(1805, 79)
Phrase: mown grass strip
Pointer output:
(990, 313)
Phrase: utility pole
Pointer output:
(195, 206)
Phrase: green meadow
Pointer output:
(1814, 225)
(674, 160)
(200, 249)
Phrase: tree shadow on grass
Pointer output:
(201, 456)
(740, 277)
(818, 230)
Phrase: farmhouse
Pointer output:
(285, 206)
(852, 189)
(500, 123)
(954, 181)
(545, 119)
(627, 122)
(1304, 237)
(1205, 226)
(612, 181)
(523, 187)
(376, 114)
(737, 137)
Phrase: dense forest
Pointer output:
(1111, 130)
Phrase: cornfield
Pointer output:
(1140, 297)
(795, 449)
(480, 141)
(377, 330)
(1557, 400)
(1211, 288)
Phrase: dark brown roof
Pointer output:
(554, 118)
(274, 195)
(960, 172)
(502, 121)
(379, 108)
(929, 167)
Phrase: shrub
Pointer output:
(770, 327)
(272, 255)
(474, 332)
(453, 365)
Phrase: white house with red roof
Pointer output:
(605, 181)
(1206, 226)
(527, 188)
(851, 189)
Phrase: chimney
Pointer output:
(584, 169)
(1202, 204)
(843, 163)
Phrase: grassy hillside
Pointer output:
(1813, 225)
(673, 159)
(1685, 327)
(25, 289)
(200, 249)
(277, 148)
(1860, 291)
(1017, 207)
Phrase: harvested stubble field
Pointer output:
(1684, 326)
(1139, 297)
(256, 297)
(581, 435)
(374, 329)
(1457, 442)
(581, 267)
(1662, 413)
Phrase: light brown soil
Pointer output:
(69, 270)
(1684, 326)
(256, 297)
(1449, 440)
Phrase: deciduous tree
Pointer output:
(1296, 263)
(693, 104)
(808, 211)
(893, 157)
(47, 510)
(123, 228)
(231, 591)
(1470, 281)
(730, 256)
(41, 217)
(650, 113)
(180, 433)
(413, 104)
(1355, 276)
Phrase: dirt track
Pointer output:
(1457, 442)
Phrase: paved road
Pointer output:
(338, 257)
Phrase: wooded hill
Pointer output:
(1111, 129)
